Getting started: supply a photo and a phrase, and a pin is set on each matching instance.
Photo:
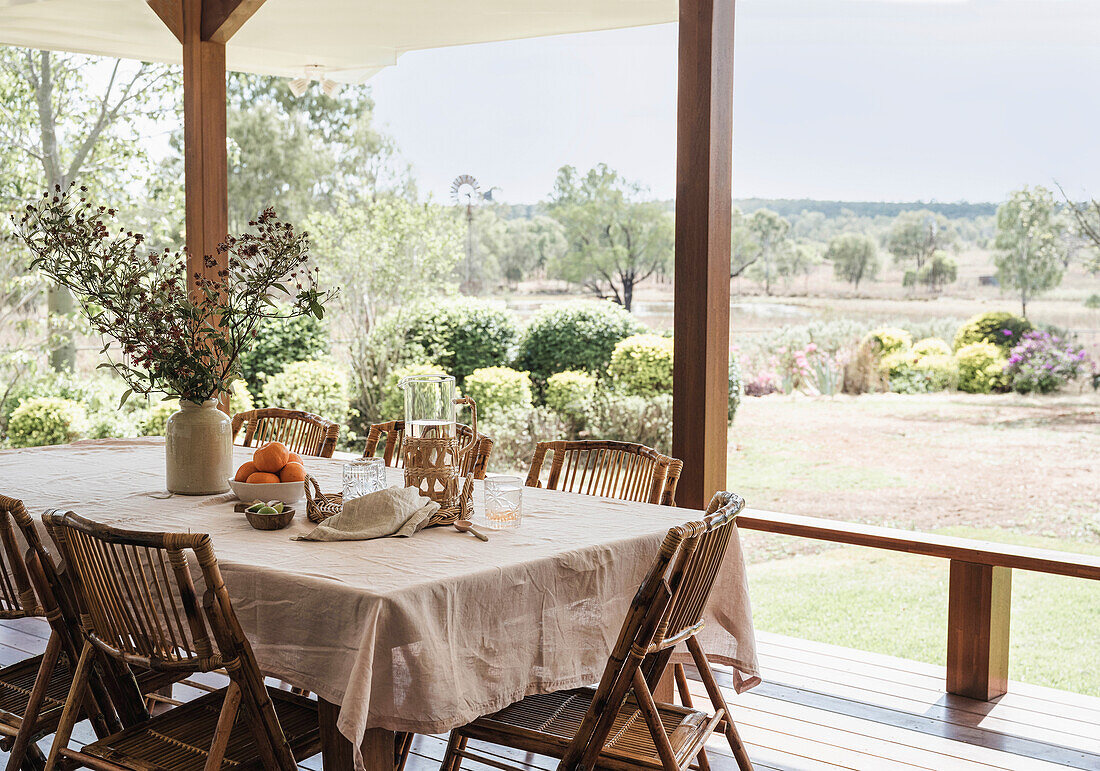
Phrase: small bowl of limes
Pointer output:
(267, 515)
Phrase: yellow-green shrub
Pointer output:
(642, 365)
(47, 420)
(890, 339)
(933, 346)
(498, 388)
(568, 394)
(981, 367)
(1002, 329)
(318, 386)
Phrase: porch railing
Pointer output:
(979, 595)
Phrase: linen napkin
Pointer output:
(395, 511)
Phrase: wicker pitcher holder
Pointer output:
(432, 466)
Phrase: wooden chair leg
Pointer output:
(403, 743)
(740, 754)
(685, 699)
(226, 719)
(452, 760)
(72, 707)
(34, 703)
(652, 718)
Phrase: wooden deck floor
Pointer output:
(823, 708)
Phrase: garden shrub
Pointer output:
(515, 431)
(632, 418)
(889, 340)
(735, 389)
(931, 345)
(240, 400)
(642, 364)
(156, 419)
(578, 335)
(497, 388)
(280, 342)
(460, 335)
(1002, 329)
(981, 368)
(910, 373)
(1043, 362)
(47, 420)
(568, 394)
(318, 386)
(392, 404)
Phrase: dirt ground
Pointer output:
(1027, 464)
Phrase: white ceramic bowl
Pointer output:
(287, 492)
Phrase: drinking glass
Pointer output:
(362, 476)
(503, 502)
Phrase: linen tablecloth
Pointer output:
(418, 634)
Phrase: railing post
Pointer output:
(978, 608)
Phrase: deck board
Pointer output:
(824, 708)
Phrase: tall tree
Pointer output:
(916, 235)
(939, 271)
(854, 257)
(771, 234)
(63, 124)
(615, 238)
(1029, 244)
(1086, 227)
(744, 251)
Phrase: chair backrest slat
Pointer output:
(389, 437)
(136, 595)
(302, 432)
(623, 470)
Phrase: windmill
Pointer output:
(465, 191)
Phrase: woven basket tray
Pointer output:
(320, 506)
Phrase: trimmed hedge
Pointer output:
(312, 386)
(578, 335)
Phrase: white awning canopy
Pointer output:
(351, 39)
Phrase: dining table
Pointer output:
(418, 634)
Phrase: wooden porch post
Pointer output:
(704, 201)
(203, 27)
(979, 605)
(206, 170)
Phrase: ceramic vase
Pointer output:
(198, 444)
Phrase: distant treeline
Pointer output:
(791, 207)
(788, 207)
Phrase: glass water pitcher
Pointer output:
(432, 453)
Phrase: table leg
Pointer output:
(336, 755)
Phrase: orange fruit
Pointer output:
(262, 478)
(247, 469)
(295, 458)
(293, 472)
(271, 457)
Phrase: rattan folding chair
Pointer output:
(33, 691)
(618, 725)
(302, 432)
(390, 436)
(139, 606)
(624, 470)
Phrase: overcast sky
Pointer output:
(838, 99)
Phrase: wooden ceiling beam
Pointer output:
(222, 18)
(171, 13)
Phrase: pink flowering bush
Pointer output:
(1042, 362)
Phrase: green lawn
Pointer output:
(896, 604)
